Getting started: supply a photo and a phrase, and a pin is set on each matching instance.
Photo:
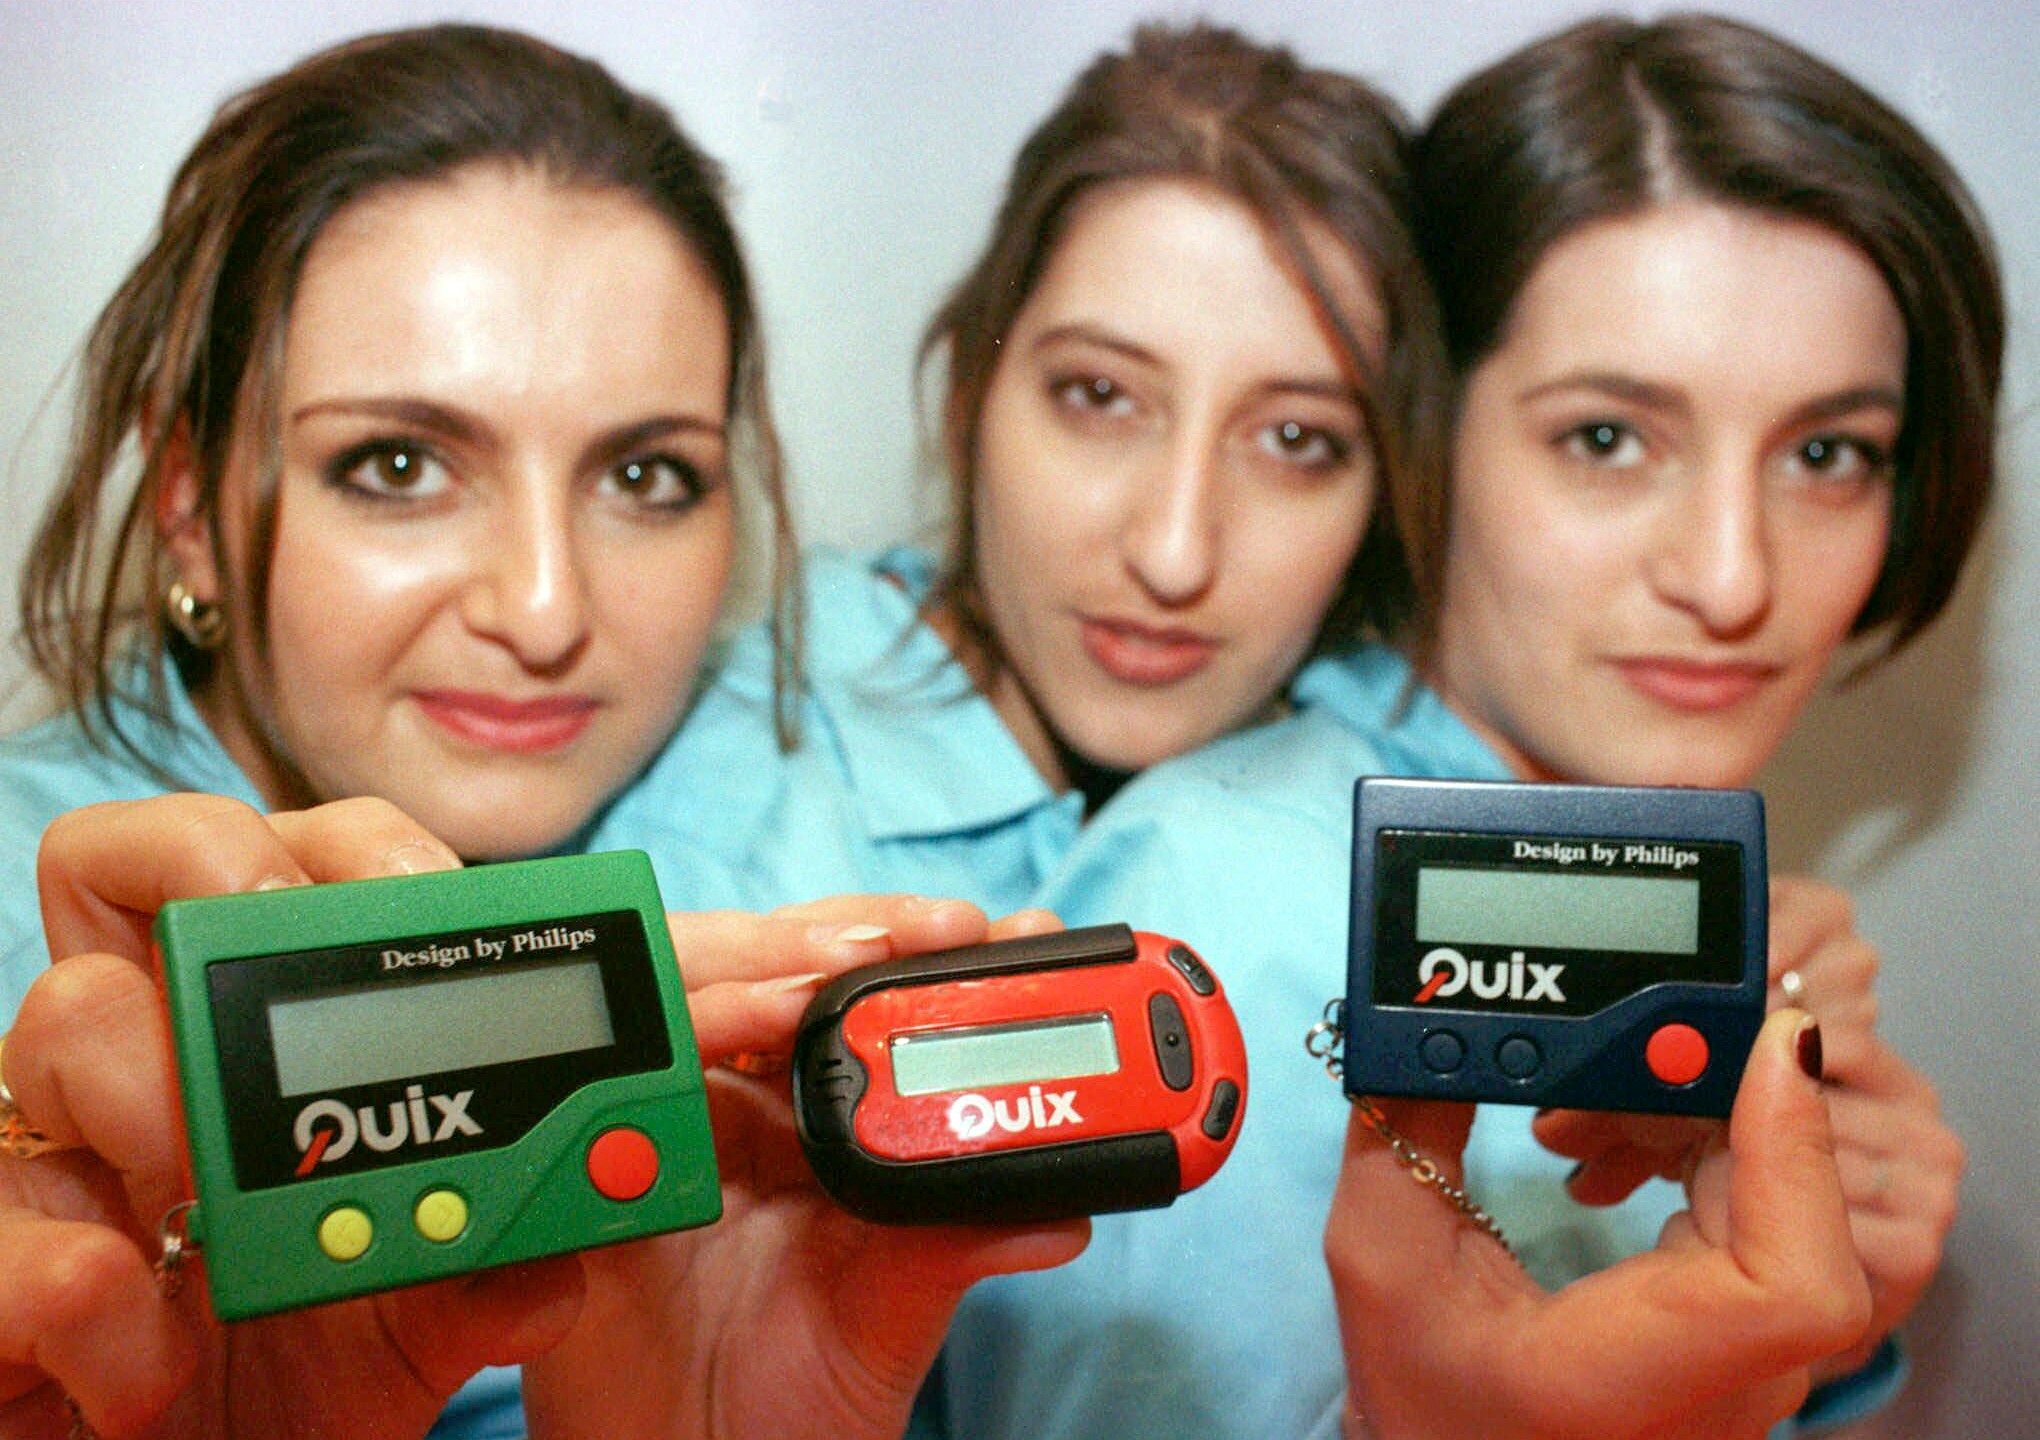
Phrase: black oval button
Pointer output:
(1225, 1104)
(1185, 959)
(1172, 1041)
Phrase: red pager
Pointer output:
(1068, 1074)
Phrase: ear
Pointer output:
(180, 520)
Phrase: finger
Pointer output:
(1784, 1290)
(819, 937)
(88, 1060)
(1786, 1209)
(79, 1304)
(917, 923)
(1804, 913)
(756, 1147)
(361, 839)
(104, 871)
(1393, 1244)
(1023, 923)
(1587, 1135)
(448, 1330)
(1613, 1177)
(907, 1281)
(737, 1017)
(719, 947)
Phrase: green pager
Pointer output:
(390, 1081)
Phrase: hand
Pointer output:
(1901, 1165)
(1710, 1334)
(89, 1059)
(790, 1316)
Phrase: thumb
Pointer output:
(1788, 1220)
(449, 1329)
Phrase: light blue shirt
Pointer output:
(1215, 1317)
(904, 779)
(55, 767)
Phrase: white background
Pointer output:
(868, 143)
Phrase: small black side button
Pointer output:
(1185, 959)
(1225, 1104)
(1172, 1041)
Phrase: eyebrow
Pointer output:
(1087, 334)
(1653, 396)
(463, 429)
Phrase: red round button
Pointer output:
(1676, 1054)
(623, 1163)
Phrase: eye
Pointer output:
(390, 470)
(1840, 459)
(1090, 395)
(1309, 447)
(1607, 443)
(657, 482)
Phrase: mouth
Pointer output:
(1695, 686)
(1147, 655)
(517, 727)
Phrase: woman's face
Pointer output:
(1173, 477)
(503, 526)
(1671, 494)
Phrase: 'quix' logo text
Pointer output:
(326, 1130)
(972, 1117)
(1445, 973)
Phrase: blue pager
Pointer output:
(1584, 946)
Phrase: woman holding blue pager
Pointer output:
(440, 376)
(1664, 522)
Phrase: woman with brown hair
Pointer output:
(1727, 335)
(417, 428)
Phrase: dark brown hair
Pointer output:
(1610, 117)
(194, 337)
(1300, 148)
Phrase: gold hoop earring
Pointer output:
(201, 622)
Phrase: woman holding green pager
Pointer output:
(424, 417)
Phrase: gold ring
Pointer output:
(1793, 984)
(17, 1136)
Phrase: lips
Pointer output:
(1150, 655)
(494, 722)
(1697, 686)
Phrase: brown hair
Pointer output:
(1298, 147)
(196, 332)
(1610, 117)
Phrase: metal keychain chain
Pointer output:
(177, 1249)
(1326, 1041)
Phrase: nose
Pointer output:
(528, 590)
(1170, 538)
(1713, 557)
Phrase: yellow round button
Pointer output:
(441, 1215)
(344, 1233)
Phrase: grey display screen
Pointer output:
(1541, 909)
(987, 1055)
(373, 1033)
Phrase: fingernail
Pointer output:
(787, 984)
(280, 882)
(417, 857)
(852, 942)
(1808, 1048)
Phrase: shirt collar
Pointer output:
(185, 745)
(926, 753)
(1372, 689)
